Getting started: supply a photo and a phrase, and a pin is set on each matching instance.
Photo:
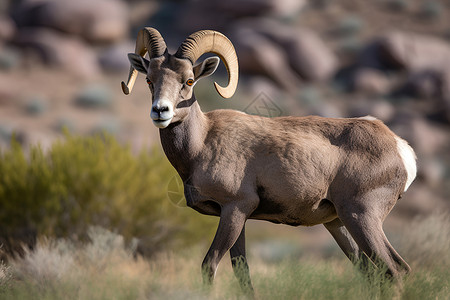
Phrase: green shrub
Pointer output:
(94, 97)
(397, 5)
(350, 25)
(431, 10)
(84, 181)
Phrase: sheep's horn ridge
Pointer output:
(210, 41)
(148, 40)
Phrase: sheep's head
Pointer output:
(171, 78)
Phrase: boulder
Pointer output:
(432, 171)
(114, 58)
(420, 199)
(433, 85)
(414, 52)
(307, 53)
(369, 56)
(100, 21)
(445, 96)
(7, 28)
(218, 14)
(259, 55)
(370, 81)
(424, 84)
(57, 49)
(378, 108)
(426, 138)
(245, 8)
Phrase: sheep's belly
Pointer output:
(294, 214)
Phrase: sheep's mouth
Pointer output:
(162, 123)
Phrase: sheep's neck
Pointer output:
(183, 141)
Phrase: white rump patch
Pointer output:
(409, 160)
(368, 118)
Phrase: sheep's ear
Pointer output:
(138, 62)
(206, 67)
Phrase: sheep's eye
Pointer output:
(190, 82)
(149, 82)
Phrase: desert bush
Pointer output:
(36, 106)
(95, 97)
(84, 181)
(431, 10)
(101, 268)
(350, 26)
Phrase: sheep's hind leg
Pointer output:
(239, 263)
(347, 244)
(364, 223)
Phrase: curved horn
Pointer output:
(148, 40)
(205, 41)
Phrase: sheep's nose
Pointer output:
(160, 109)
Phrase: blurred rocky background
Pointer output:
(61, 63)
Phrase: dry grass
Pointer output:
(426, 241)
(105, 268)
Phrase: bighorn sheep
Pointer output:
(344, 173)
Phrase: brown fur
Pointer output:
(344, 173)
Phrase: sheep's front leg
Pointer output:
(239, 263)
(232, 220)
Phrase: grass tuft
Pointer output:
(105, 268)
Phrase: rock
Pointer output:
(426, 138)
(100, 21)
(258, 86)
(420, 200)
(397, 5)
(257, 54)
(245, 8)
(287, 8)
(310, 57)
(7, 28)
(58, 49)
(378, 108)
(141, 11)
(326, 109)
(114, 58)
(369, 55)
(350, 46)
(414, 52)
(424, 84)
(370, 81)
(432, 171)
(444, 103)
(434, 86)
(307, 53)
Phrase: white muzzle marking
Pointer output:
(162, 113)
